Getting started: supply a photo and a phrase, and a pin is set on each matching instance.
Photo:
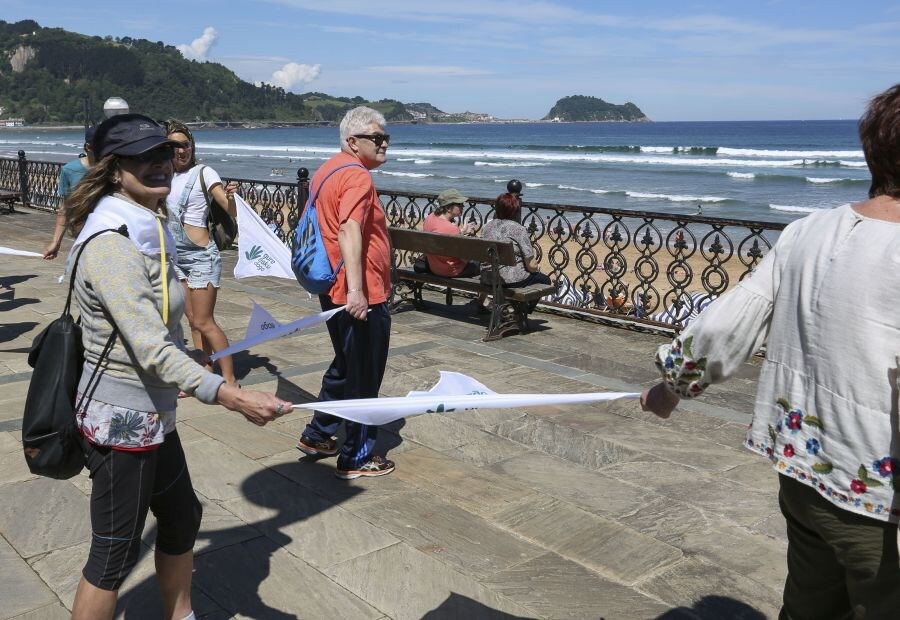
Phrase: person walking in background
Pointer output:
(825, 304)
(506, 227)
(354, 228)
(131, 309)
(69, 176)
(199, 264)
(449, 208)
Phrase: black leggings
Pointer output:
(125, 485)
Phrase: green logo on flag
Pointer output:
(254, 253)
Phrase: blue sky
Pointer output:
(769, 59)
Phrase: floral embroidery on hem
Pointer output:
(838, 497)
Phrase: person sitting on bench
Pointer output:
(449, 207)
(506, 227)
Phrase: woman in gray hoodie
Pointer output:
(131, 304)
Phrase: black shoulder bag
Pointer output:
(50, 438)
(222, 227)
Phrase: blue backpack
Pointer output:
(309, 260)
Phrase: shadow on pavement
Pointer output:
(714, 608)
(7, 282)
(228, 572)
(457, 607)
(14, 330)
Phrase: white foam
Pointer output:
(583, 189)
(423, 161)
(534, 184)
(675, 197)
(825, 180)
(724, 150)
(504, 164)
(415, 175)
(793, 209)
(741, 175)
(405, 159)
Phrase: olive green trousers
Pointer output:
(841, 565)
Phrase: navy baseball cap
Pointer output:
(129, 135)
(89, 135)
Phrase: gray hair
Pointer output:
(358, 120)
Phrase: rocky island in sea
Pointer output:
(592, 109)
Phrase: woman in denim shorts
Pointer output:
(199, 264)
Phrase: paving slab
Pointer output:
(726, 594)
(231, 429)
(713, 494)
(30, 516)
(592, 451)
(308, 526)
(603, 545)
(417, 584)
(559, 588)
(469, 543)
(489, 450)
(21, 589)
(477, 490)
(591, 490)
(253, 580)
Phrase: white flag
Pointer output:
(260, 321)
(15, 252)
(276, 332)
(261, 253)
(453, 392)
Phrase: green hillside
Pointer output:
(45, 74)
(583, 108)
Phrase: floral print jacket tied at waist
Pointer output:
(828, 384)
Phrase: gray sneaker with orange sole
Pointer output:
(375, 466)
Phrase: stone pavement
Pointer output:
(596, 511)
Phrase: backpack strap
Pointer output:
(314, 197)
(122, 230)
(186, 191)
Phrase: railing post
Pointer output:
(302, 190)
(23, 178)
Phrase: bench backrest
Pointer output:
(458, 246)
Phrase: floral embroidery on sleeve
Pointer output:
(684, 374)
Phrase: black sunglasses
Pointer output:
(154, 156)
(377, 138)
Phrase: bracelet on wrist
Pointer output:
(354, 290)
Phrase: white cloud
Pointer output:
(292, 74)
(199, 47)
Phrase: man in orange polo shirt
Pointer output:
(354, 228)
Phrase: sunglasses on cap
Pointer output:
(377, 138)
(154, 156)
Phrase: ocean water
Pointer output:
(762, 170)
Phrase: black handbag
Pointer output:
(222, 227)
(420, 264)
(51, 440)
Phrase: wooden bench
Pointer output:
(10, 198)
(511, 305)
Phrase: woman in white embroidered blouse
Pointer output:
(825, 301)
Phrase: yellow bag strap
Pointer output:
(165, 276)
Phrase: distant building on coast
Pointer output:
(12, 122)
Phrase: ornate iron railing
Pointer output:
(640, 267)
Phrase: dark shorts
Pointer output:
(126, 484)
